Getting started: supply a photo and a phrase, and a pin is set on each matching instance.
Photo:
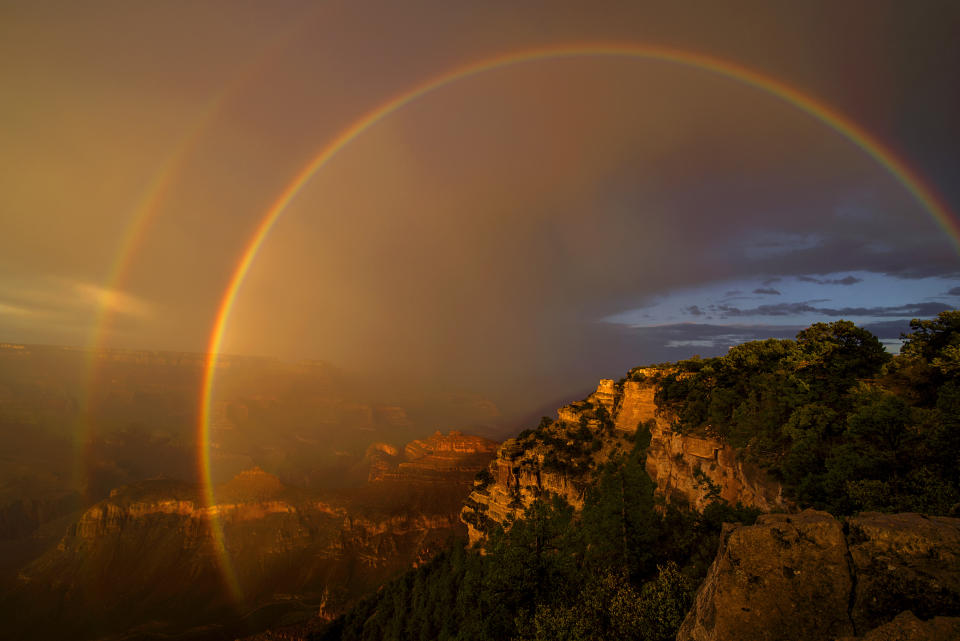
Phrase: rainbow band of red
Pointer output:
(885, 156)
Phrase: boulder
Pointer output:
(807, 576)
(786, 577)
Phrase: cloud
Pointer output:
(846, 280)
(771, 281)
(766, 290)
(679, 340)
(794, 309)
(676, 339)
(14, 310)
(953, 291)
(55, 302)
(770, 244)
(113, 300)
(694, 310)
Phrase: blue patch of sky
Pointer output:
(859, 296)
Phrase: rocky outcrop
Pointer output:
(768, 578)
(517, 481)
(453, 444)
(808, 577)
(693, 469)
(559, 458)
(438, 456)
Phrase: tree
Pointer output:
(834, 355)
(933, 339)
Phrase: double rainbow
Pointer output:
(883, 154)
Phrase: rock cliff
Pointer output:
(561, 456)
(808, 576)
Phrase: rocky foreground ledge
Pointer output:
(808, 576)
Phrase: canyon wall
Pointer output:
(690, 468)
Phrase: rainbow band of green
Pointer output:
(843, 125)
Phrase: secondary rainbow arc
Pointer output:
(148, 204)
(883, 154)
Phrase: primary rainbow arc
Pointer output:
(882, 153)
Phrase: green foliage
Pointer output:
(610, 608)
(934, 341)
(619, 519)
(618, 570)
(845, 426)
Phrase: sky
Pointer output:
(519, 232)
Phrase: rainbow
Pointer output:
(883, 154)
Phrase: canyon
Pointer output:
(143, 560)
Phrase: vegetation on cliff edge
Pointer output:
(843, 424)
(846, 426)
(620, 569)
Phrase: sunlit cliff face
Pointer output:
(526, 228)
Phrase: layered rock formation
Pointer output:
(558, 458)
(691, 468)
(149, 553)
(440, 455)
(698, 468)
(808, 577)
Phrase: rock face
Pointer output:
(800, 576)
(767, 579)
(558, 459)
(694, 469)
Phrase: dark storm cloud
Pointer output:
(478, 233)
(846, 280)
(769, 291)
(715, 339)
(793, 309)
(680, 340)
(926, 255)
(888, 330)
